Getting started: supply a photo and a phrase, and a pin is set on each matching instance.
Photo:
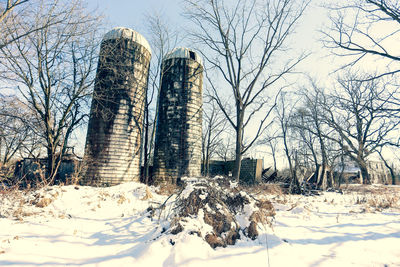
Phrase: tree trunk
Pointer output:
(53, 164)
(238, 157)
(392, 175)
(207, 161)
(325, 181)
(341, 178)
(207, 153)
(321, 179)
(49, 176)
(364, 172)
(1, 139)
(273, 152)
(203, 155)
(146, 144)
(238, 150)
(274, 158)
(294, 187)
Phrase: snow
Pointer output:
(87, 226)
(126, 33)
(183, 52)
(243, 218)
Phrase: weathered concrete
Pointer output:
(178, 134)
(250, 170)
(116, 119)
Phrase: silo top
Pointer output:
(122, 32)
(183, 52)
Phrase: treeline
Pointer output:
(48, 58)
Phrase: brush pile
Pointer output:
(218, 211)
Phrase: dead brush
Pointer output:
(384, 201)
(371, 189)
(167, 189)
(147, 195)
(264, 214)
(263, 189)
(360, 200)
(122, 199)
(20, 214)
(103, 195)
(42, 201)
(218, 204)
(17, 199)
(272, 189)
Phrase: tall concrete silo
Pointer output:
(116, 119)
(177, 149)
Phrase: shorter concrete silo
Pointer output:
(115, 126)
(177, 149)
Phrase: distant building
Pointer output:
(250, 170)
(377, 171)
(33, 171)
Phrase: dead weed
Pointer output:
(167, 189)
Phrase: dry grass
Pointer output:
(103, 195)
(264, 214)
(384, 201)
(375, 197)
(371, 189)
(43, 202)
(148, 194)
(122, 199)
(19, 204)
(167, 189)
(263, 189)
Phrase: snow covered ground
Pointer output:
(85, 226)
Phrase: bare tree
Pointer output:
(272, 142)
(7, 17)
(53, 70)
(240, 40)
(301, 125)
(15, 11)
(364, 30)
(224, 149)
(163, 38)
(214, 126)
(284, 117)
(388, 166)
(7, 8)
(14, 127)
(358, 113)
(312, 128)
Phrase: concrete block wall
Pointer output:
(250, 170)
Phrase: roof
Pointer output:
(122, 32)
(183, 52)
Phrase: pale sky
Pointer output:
(132, 14)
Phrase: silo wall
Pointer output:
(179, 125)
(115, 128)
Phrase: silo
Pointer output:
(116, 118)
(177, 150)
